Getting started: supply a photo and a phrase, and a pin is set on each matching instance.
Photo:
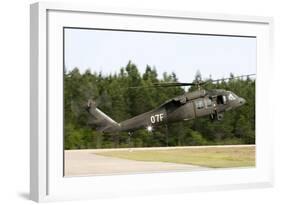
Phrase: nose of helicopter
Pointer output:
(242, 101)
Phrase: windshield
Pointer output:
(231, 96)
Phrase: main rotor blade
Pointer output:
(173, 84)
(197, 83)
(157, 85)
(211, 81)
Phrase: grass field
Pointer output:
(215, 157)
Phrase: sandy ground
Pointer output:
(87, 162)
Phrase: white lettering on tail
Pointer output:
(157, 118)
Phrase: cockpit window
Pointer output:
(231, 97)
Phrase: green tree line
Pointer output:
(114, 98)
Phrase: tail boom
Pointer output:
(100, 120)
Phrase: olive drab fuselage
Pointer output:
(190, 105)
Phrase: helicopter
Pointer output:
(188, 106)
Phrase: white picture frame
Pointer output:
(46, 141)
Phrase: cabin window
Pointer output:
(208, 102)
(199, 104)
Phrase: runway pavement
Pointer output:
(87, 162)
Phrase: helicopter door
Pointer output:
(221, 99)
(203, 106)
(199, 107)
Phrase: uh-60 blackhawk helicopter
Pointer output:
(188, 106)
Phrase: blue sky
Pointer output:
(184, 54)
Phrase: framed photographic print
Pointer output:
(132, 102)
